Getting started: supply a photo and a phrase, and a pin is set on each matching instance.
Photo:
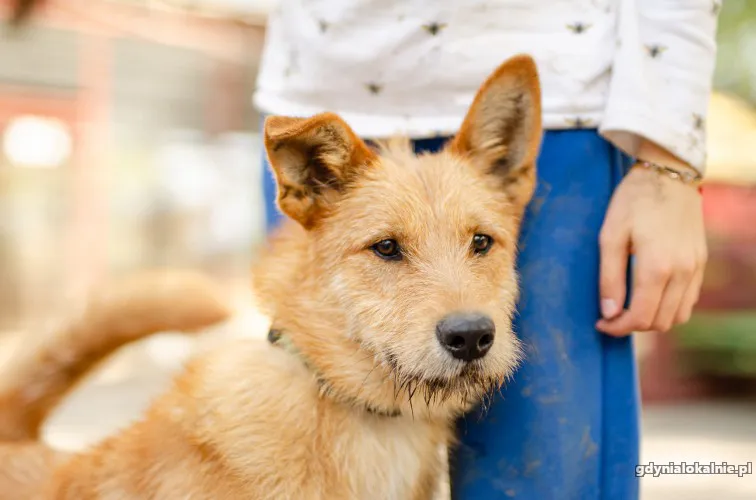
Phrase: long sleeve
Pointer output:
(662, 76)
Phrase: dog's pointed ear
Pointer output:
(502, 130)
(313, 160)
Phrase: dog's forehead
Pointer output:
(420, 193)
(441, 179)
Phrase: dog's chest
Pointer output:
(389, 458)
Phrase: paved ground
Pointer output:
(721, 432)
(710, 432)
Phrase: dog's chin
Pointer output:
(462, 387)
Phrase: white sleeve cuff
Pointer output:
(661, 77)
(626, 126)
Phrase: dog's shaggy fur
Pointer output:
(356, 396)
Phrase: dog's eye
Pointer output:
(481, 243)
(388, 249)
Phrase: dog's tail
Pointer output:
(38, 377)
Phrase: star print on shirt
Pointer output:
(578, 122)
(434, 28)
(699, 122)
(323, 25)
(374, 88)
(578, 28)
(655, 50)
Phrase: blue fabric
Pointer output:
(273, 215)
(567, 426)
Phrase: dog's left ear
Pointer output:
(502, 130)
(313, 159)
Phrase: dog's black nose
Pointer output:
(467, 336)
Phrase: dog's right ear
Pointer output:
(313, 160)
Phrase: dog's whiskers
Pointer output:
(362, 386)
(412, 393)
(470, 386)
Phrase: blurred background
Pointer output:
(128, 141)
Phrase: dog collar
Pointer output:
(280, 339)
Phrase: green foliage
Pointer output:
(719, 343)
(736, 60)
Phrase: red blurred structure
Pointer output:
(85, 107)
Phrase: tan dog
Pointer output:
(42, 373)
(391, 293)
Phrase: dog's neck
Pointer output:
(281, 339)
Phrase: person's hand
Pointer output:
(659, 220)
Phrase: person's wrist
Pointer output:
(650, 151)
(674, 164)
(690, 177)
(659, 161)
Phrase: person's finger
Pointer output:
(650, 280)
(690, 298)
(614, 248)
(672, 299)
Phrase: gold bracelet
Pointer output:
(685, 177)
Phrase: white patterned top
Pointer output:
(631, 68)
